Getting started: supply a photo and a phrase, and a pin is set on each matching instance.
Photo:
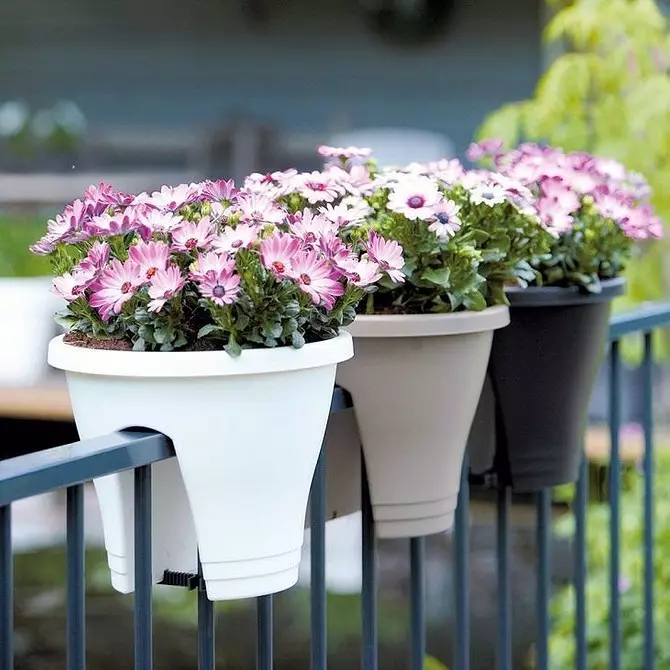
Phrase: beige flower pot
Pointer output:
(415, 382)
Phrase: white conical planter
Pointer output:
(247, 434)
(28, 309)
(415, 383)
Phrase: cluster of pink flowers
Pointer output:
(563, 183)
(156, 244)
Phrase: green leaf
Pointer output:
(297, 339)
(438, 276)
(233, 349)
(209, 329)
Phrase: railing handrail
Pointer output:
(645, 318)
(72, 464)
(79, 462)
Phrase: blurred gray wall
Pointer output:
(314, 67)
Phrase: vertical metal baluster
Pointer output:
(580, 567)
(369, 568)
(76, 586)
(144, 653)
(648, 420)
(614, 503)
(206, 631)
(264, 637)
(543, 576)
(6, 590)
(319, 649)
(417, 561)
(504, 596)
(461, 573)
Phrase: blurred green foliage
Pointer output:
(562, 645)
(607, 92)
(17, 233)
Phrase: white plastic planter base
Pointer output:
(247, 434)
(27, 326)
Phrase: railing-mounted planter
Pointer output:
(247, 433)
(543, 367)
(415, 383)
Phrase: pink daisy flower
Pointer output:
(309, 227)
(105, 195)
(158, 221)
(356, 180)
(388, 255)
(72, 285)
(218, 190)
(314, 275)
(479, 150)
(165, 284)
(360, 272)
(97, 258)
(555, 190)
(318, 187)
(109, 225)
(174, 198)
(117, 284)
(221, 289)
(414, 198)
(150, 257)
(349, 212)
(190, 236)
(272, 184)
(277, 252)
(258, 208)
(334, 249)
(446, 220)
(344, 152)
(231, 239)
(211, 264)
(554, 218)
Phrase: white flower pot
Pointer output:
(247, 434)
(28, 309)
(415, 383)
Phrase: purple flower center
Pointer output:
(305, 279)
(416, 201)
(151, 272)
(191, 244)
(126, 287)
(279, 267)
(310, 238)
(219, 291)
(316, 186)
(236, 244)
(355, 277)
(443, 217)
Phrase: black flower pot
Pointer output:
(533, 410)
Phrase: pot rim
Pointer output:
(550, 296)
(429, 325)
(163, 364)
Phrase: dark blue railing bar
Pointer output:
(504, 651)
(58, 468)
(6, 590)
(648, 468)
(580, 567)
(417, 563)
(369, 572)
(76, 584)
(614, 504)
(206, 623)
(264, 633)
(644, 319)
(543, 577)
(144, 652)
(461, 573)
(319, 634)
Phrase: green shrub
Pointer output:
(632, 580)
(16, 234)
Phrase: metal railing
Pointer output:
(69, 467)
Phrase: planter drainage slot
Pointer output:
(185, 580)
